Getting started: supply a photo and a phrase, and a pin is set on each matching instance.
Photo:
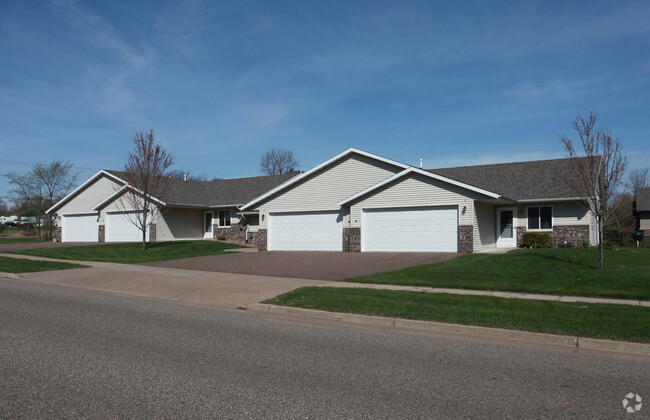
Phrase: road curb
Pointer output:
(442, 327)
(10, 275)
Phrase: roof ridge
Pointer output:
(115, 172)
(504, 163)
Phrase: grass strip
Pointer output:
(11, 240)
(132, 253)
(18, 265)
(616, 322)
(544, 271)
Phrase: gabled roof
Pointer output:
(219, 192)
(535, 180)
(642, 198)
(82, 187)
(191, 193)
(315, 169)
(413, 170)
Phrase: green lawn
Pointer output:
(17, 265)
(131, 253)
(617, 322)
(544, 271)
(17, 240)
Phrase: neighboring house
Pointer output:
(357, 201)
(641, 209)
(190, 210)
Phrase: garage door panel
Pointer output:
(120, 228)
(429, 229)
(80, 228)
(306, 231)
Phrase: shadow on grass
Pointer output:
(567, 258)
(161, 245)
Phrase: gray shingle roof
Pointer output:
(642, 197)
(520, 180)
(218, 192)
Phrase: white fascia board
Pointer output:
(420, 172)
(188, 206)
(83, 213)
(83, 186)
(457, 183)
(304, 175)
(549, 200)
(110, 198)
(376, 186)
(216, 206)
(247, 213)
(119, 192)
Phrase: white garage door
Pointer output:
(80, 228)
(310, 231)
(426, 229)
(120, 228)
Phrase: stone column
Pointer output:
(466, 239)
(352, 239)
(260, 240)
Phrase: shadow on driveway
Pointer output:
(307, 265)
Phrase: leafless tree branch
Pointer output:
(147, 182)
(599, 173)
(277, 162)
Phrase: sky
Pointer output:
(220, 82)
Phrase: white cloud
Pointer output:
(107, 76)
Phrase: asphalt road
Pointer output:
(69, 353)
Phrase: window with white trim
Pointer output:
(224, 218)
(540, 217)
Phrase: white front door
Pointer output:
(507, 227)
(207, 224)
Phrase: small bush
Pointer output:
(538, 240)
(610, 245)
(2, 227)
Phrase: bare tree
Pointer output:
(147, 182)
(277, 162)
(41, 187)
(4, 208)
(637, 178)
(622, 216)
(598, 174)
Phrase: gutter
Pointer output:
(548, 200)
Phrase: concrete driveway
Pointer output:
(190, 286)
(307, 265)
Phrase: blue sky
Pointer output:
(453, 83)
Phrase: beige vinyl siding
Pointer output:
(484, 226)
(416, 191)
(564, 214)
(234, 218)
(325, 189)
(174, 224)
(89, 197)
(644, 221)
(253, 223)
